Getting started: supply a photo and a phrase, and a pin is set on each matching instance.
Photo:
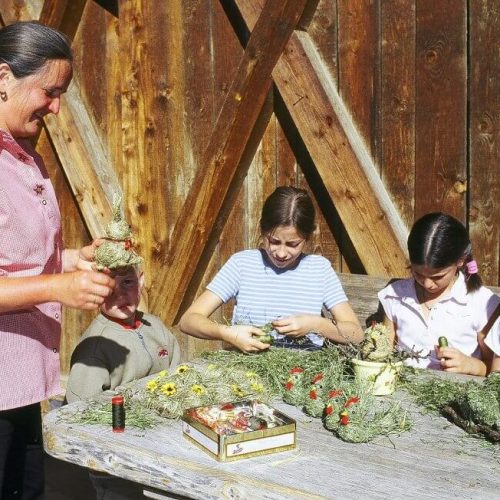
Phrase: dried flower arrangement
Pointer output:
(321, 383)
(190, 386)
(167, 395)
(377, 365)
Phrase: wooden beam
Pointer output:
(12, 12)
(339, 153)
(233, 128)
(53, 12)
(63, 15)
(75, 138)
(84, 160)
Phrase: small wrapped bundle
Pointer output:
(480, 406)
(333, 409)
(295, 389)
(377, 345)
(118, 249)
(315, 398)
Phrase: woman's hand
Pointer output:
(86, 255)
(74, 259)
(244, 337)
(455, 361)
(296, 326)
(83, 289)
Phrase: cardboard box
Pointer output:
(231, 431)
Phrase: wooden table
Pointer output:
(434, 460)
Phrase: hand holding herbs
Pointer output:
(246, 338)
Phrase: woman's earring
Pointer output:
(3, 96)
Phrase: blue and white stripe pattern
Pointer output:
(264, 293)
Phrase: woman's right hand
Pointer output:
(244, 337)
(83, 289)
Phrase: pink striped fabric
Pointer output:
(30, 244)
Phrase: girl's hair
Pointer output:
(288, 206)
(26, 46)
(439, 240)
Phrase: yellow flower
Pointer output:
(182, 369)
(168, 389)
(257, 387)
(237, 390)
(251, 374)
(162, 373)
(152, 385)
(198, 389)
(211, 367)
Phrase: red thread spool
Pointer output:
(118, 413)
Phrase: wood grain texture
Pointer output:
(53, 12)
(324, 31)
(227, 53)
(143, 99)
(397, 104)
(229, 139)
(63, 15)
(440, 106)
(338, 153)
(435, 459)
(358, 78)
(77, 142)
(20, 10)
(484, 184)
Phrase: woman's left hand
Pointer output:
(86, 255)
(295, 326)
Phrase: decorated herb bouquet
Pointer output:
(378, 363)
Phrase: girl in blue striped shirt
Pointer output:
(277, 284)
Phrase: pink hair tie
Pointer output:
(471, 267)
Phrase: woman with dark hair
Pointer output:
(445, 298)
(277, 285)
(36, 274)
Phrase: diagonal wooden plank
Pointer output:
(339, 153)
(213, 184)
(20, 11)
(74, 136)
(84, 160)
(64, 15)
(53, 12)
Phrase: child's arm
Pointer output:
(196, 322)
(87, 377)
(344, 328)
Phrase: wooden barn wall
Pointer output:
(420, 80)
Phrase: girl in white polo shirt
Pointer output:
(493, 342)
(445, 297)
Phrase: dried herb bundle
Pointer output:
(472, 406)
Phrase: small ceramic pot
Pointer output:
(383, 376)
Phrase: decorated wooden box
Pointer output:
(231, 431)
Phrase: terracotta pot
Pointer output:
(383, 376)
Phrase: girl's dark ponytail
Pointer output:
(471, 272)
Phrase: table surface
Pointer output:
(435, 459)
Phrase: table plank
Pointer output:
(434, 460)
